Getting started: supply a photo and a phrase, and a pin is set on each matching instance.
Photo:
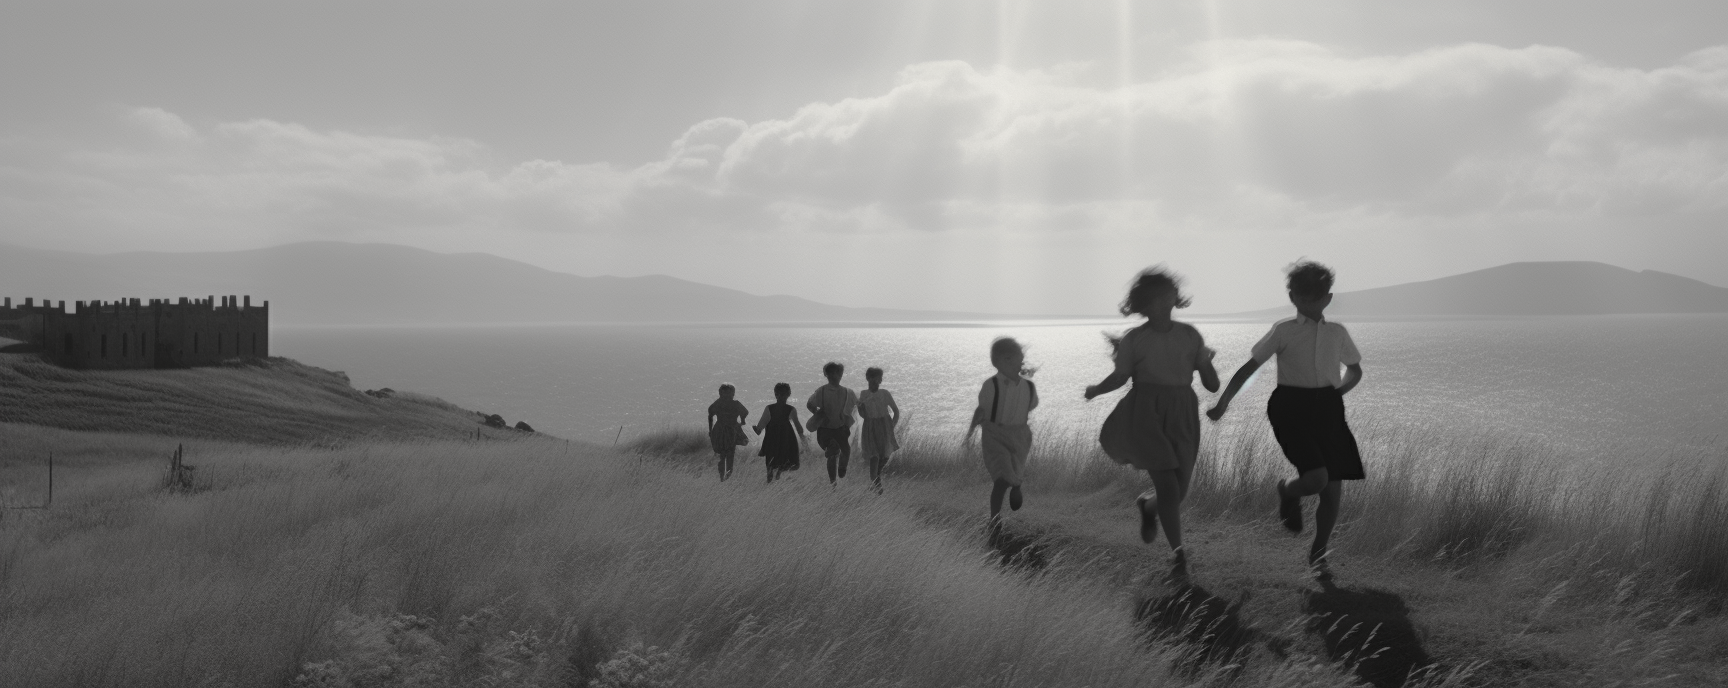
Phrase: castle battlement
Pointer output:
(135, 333)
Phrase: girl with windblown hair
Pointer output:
(1156, 426)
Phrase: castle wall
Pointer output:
(22, 322)
(130, 333)
(106, 335)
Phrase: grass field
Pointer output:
(537, 562)
(526, 563)
(1544, 571)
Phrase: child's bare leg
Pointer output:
(996, 493)
(876, 471)
(1311, 482)
(1325, 518)
(1169, 505)
(845, 455)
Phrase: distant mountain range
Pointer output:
(1524, 289)
(340, 283)
(381, 284)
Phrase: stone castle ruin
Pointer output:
(109, 335)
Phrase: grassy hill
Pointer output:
(409, 553)
(276, 401)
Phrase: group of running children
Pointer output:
(1155, 427)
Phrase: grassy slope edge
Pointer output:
(272, 401)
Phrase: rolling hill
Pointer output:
(1529, 289)
(382, 284)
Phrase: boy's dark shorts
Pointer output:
(1310, 427)
(834, 441)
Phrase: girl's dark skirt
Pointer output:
(1154, 428)
(725, 437)
(1310, 427)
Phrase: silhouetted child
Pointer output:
(726, 428)
(1005, 404)
(1156, 426)
(881, 415)
(1307, 408)
(831, 408)
(779, 447)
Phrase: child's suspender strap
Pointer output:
(995, 397)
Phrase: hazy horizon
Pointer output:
(1010, 157)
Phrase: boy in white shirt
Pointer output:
(831, 410)
(1307, 409)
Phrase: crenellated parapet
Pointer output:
(138, 333)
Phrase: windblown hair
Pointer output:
(1003, 346)
(1151, 282)
(1308, 279)
(832, 369)
(873, 373)
(782, 389)
(727, 387)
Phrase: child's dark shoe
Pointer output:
(1014, 500)
(1321, 570)
(1148, 518)
(1289, 508)
(1178, 568)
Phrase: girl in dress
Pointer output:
(780, 448)
(881, 415)
(1156, 427)
(726, 428)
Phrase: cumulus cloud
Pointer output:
(1243, 134)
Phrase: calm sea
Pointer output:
(1597, 385)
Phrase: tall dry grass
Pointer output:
(1433, 493)
(528, 563)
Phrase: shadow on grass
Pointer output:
(1369, 631)
(1018, 550)
(1207, 629)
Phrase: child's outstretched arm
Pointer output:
(1208, 374)
(1352, 375)
(894, 411)
(1236, 382)
(761, 422)
(977, 420)
(710, 421)
(1110, 383)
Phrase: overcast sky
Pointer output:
(1007, 156)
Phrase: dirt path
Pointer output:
(1248, 598)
